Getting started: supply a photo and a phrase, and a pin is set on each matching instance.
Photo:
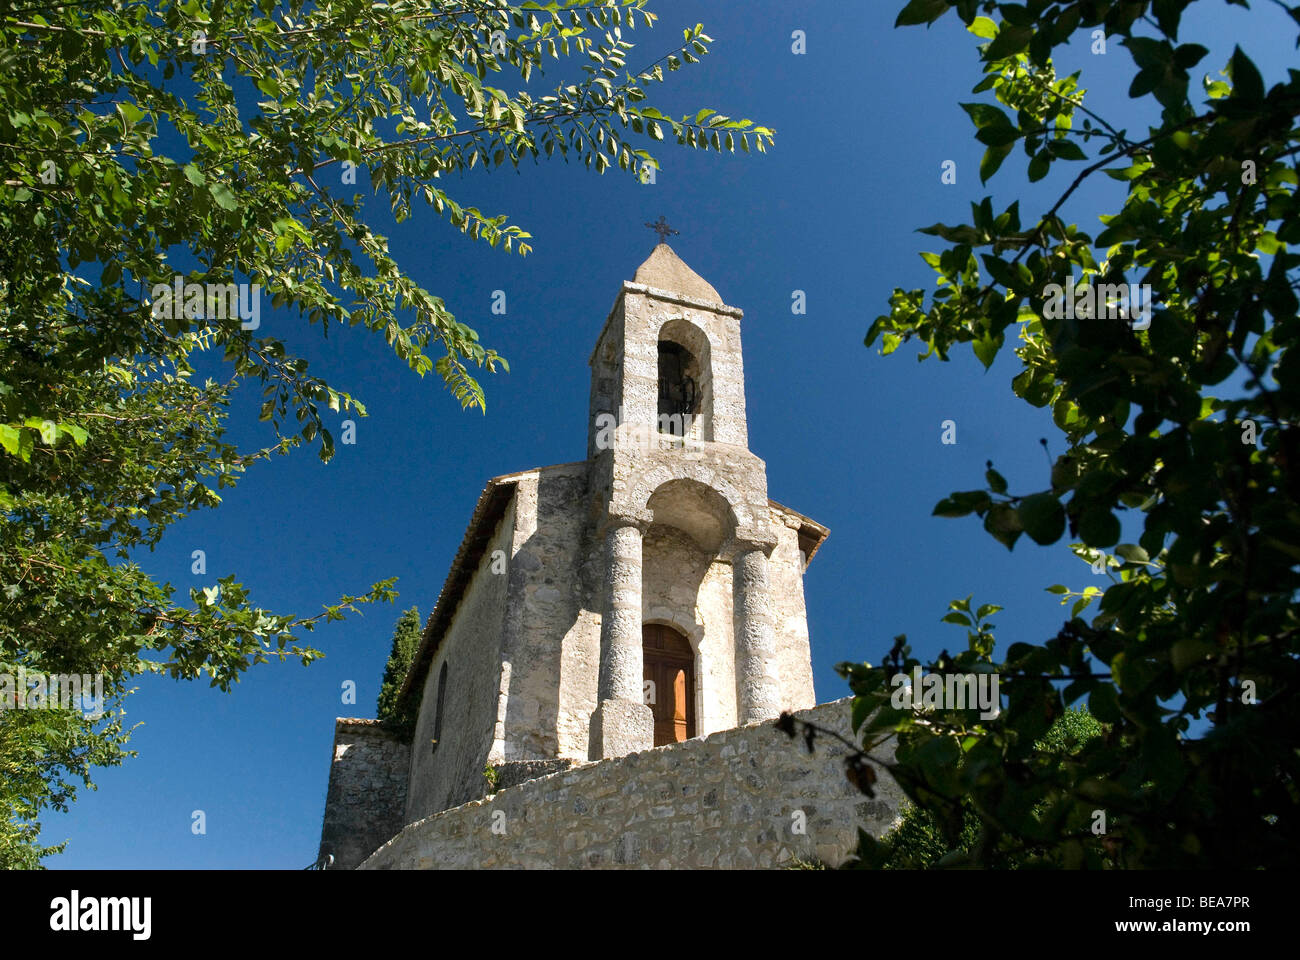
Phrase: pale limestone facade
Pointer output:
(533, 655)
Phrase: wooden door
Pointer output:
(669, 683)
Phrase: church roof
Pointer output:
(811, 533)
(667, 271)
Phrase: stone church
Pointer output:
(643, 597)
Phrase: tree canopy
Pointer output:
(1176, 477)
(922, 841)
(165, 164)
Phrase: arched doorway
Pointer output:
(669, 683)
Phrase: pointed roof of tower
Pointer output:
(667, 271)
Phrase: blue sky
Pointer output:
(864, 120)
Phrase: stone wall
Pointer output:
(511, 773)
(743, 798)
(366, 799)
(790, 616)
(453, 772)
(544, 606)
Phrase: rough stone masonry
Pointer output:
(744, 798)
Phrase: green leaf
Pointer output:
(1001, 271)
(222, 194)
(986, 349)
(48, 429)
(78, 435)
(1189, 652)
(1132, 553)
(1039, 165)
(921, 11)
(1247, 84)
(26, 444)
(991, 160)
(1189, 55)
(987, 115)
(9, 437)
(961, 234)
(1167, 14)
(1010, 40)
(1043, 518)
(1216, 89)
(1098, 527)
(960, 504)
(1066, 150)
(1003, 522)
(997, 136)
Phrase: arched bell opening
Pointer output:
(685, 406)
(678, 385)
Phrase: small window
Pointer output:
(437, 714)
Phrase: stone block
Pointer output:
(620, 727)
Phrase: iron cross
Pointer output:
(662, 228)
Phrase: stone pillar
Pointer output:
(622, 723)
(758, 693)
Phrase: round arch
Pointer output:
(697, 509)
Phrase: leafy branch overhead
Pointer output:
(163, 166)
(287, 109)
(1160, 344)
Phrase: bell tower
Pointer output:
(652, 361)
(673, 482)
(642, 597)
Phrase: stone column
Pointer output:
(622, 723)
(758, 693)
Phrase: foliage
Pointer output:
(72, 598)
(406, 641)
(492, 775)
(919, 841)
(42, 754)
(176, 141)
(1186, 427)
